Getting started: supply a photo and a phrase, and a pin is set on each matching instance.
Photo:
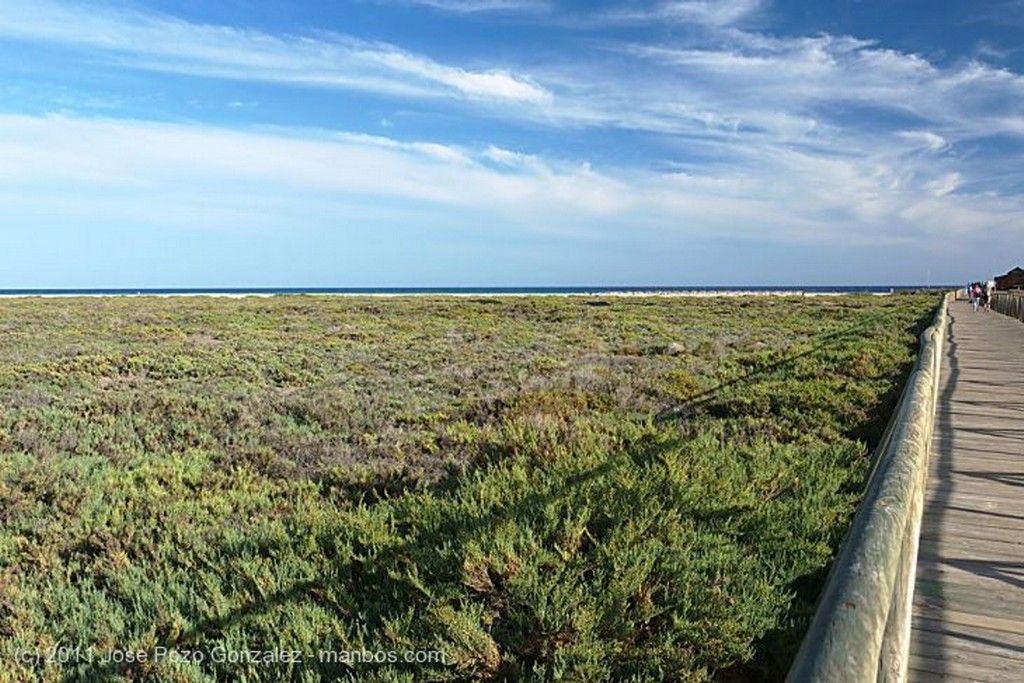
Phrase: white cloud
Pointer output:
(184, 176)
(851, 140)
(518, 160)
(159, 42)
(940, 187)
(927, 140)
(479, 6)
(825, 91)
(143, 168)
(712, 13)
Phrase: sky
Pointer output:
(360, 143)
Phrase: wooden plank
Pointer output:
(986, 399)
(968, 450)
(955, 539)
(978, 435)
(962, 573)
(953, 450)
(986, 457)
(939, 503)
(954, 533)
(959, 670)
(968, 457)
(1008, 470)
(991, 417)
(938, 589)
(976, 501)
(1004, 453)
(976, 517)
(969, 510)
(970, 484)
(966, 393)
(950, 650)
(999, 639)
(979, 487)
(973, 514)
(1006, 570)
(971, 598)
(969, 413)
(918, 676)
(977, 512)
(979, 482)
(970, 522)
(964, 549)
(964, 526)
(968, 477)
(969, 517)
(972, 500)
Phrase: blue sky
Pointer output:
(169, 143)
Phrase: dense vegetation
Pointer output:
(538, 488)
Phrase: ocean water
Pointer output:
(267, 291)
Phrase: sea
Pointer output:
(397, 291)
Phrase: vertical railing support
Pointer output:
(1009, 303)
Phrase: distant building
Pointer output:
(1012, 280)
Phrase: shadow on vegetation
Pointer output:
(715, 399)
(374, 592)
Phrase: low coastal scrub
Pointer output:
(447, 489)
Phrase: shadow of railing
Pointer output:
(942, 455)
(1005, 478)
(363, 570)
(987, 513)
(1010, 573)
(788, 359)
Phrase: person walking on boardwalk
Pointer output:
(975, 295)
(990, 288)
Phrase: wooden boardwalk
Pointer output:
(969, 598)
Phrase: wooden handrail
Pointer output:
(861, 628)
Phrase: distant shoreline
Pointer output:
(468, 291)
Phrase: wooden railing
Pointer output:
(1009, 303)
(861, 629)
